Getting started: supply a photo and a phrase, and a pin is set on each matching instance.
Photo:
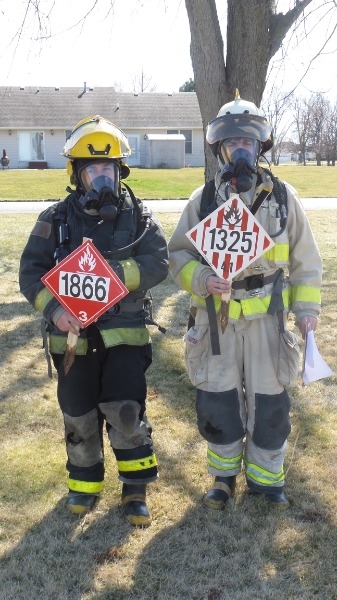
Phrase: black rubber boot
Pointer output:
(223, 488)
(277, 501)
(79, 503)
(134, 504)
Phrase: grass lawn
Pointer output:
(50, 184)
(189, 552)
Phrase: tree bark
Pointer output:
(254, 34)
(207, 55)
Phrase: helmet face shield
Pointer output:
(233, 149)
(97, 175)
(242, 125)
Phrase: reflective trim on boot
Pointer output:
(134, 505)
(222, 489)
(80, 504)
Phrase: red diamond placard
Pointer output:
(85, 284)
(230, 238)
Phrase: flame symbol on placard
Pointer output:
(233, 216)
(87, 262)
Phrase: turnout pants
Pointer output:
(242, 410)
(106, 385)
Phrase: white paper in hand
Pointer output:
(314, 366)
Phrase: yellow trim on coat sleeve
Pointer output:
(131, 274)
(42, 299)
(186, 275)
(278, 253)
(306, 293)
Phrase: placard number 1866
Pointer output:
(84, 286)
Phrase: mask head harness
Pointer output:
(238, 136)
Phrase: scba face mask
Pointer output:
(100, 181)
(240, 157)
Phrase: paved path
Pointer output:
(157, 206)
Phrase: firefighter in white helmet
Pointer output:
(241, 370)
(106, 382)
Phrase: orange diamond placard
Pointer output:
(85, 284)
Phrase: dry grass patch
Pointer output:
(188, 552)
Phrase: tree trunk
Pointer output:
(207, 55)
(248, 48)
(254, 34)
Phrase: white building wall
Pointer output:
(54, 144)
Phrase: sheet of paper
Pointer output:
(314, 366)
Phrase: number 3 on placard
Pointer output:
(82, 316)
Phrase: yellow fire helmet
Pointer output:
(96, 137)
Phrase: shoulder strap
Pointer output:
(280, 193)
(207, 199)
(206, 207)
(61, 229)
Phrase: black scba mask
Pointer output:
(99, 183)
(103, 199)
(240, 169)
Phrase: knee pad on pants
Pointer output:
(127, 425)
(218, 415)
(272, 420)
(83, 439)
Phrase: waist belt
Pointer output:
(253, 282)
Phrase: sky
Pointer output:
(114, 46)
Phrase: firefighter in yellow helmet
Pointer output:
(106, 382)
(241, 363)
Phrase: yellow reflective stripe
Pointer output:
(249, 306)
(262, 476)
(130, 336)
(223, 464)
(57, 345)
(139, 464)
(199, 301)
(306, 293)
(87, 487)
(186, 275)
(42, 299)
(278, 253)
(131, 274)
(259, 306)
(111, 337)
(234, 310)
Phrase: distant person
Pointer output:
(107, 379)
(240, 362)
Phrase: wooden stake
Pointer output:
(225, 298)
(70, 352)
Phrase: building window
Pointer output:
(188, 138)
(31, 145)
